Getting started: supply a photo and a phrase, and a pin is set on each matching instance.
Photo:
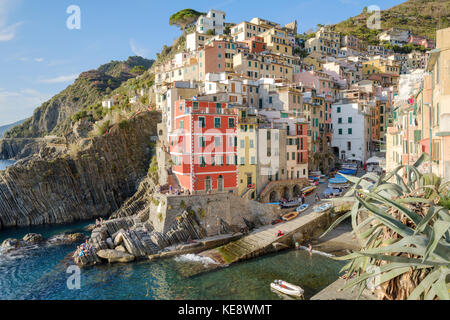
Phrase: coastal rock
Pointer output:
(121, 249)
(110, 243)
(114, 256)
(82, 184)
(90, 227)
(118, 239)
(32, 238)
(75, 237)
(10, 244)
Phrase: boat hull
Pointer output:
(288, 289)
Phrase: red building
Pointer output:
(256, 44)
(203, 145)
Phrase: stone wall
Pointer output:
(211, 209)
(275, 190)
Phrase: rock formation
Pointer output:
(92, 180)
(135, 237)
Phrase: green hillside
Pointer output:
(51, 117)
(422, 17)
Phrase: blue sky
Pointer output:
(40, 56)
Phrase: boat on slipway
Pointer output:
(309, 190)
(290, 204)
(349, 169)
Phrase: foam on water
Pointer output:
(195, 258)
(329, 255)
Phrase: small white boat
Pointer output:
(302, 208)
(323, 208)
(287, 288)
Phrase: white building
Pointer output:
(214, 20)
(351, 132)
(395, 36)
(195, 40)
(108, 103)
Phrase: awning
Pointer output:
(376, 160)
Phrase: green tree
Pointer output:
(185, 18)
(138, 70)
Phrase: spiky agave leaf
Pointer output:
(405, 236)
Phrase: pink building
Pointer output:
(422, 41)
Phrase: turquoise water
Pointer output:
(40, 273)
(5, 163)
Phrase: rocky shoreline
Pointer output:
(11, 245)
(92, 179)
(133, 238)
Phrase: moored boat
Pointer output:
(302, 208)
(323, 207)
(309, 190)
(287, 288)
(290, 216)
(290, 204)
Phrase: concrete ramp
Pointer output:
(265, 240)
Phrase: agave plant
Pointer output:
(404, 235)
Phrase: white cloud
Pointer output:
(137, 50)
(7, 31)
(38, 59)
(18, 105)
(60, 79)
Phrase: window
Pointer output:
(242, 161)
(217, 142)
(242, 144)
(202, 162)
(231, 123)
(252, 144)
(181, 124)
(338, 109)
(202, 142)
(340, 120)
(201, 122)
(217, 123)
(340, 131)
(349, 146)
(350, 120)
(253, 160)
(350, 131)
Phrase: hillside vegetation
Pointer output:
(422, 17)
(89, 88)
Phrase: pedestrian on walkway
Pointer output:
(303, 198)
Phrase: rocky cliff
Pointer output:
(54, 117)
(92, 179)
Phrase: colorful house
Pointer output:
(203, 146)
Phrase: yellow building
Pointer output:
(314, 113)
(247, 154)
(277, 41)
(257, 66)
(439, 91)
(380, 65)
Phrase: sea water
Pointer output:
(40, 272)
(5, 163)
